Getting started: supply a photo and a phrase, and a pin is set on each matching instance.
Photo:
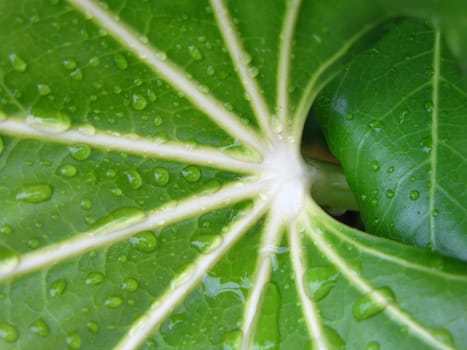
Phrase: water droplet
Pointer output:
(429, 106)
(414, 195)
(33, 243)
(73, 341)
(40, 328)
(121, 217)
(375, 165)
(376, 125)
(92, 326)
(426, 143)
(77, 74)
(80, 151)
(43, 89)
(139, 102)
(85, 204)
(134, 179)
(319, 281)
(228, 106)
(121, 62)
(94, 278)
(372, 303)
(58, 287)
(210, 71)
(372, 346)
(34, 193)
(389, 194)
(68, 170)
(129, 285)
(191, 173)
(161, 176)
(253, 72)
(205, 243)
(17, 62)
(94, 61)
(157, 121)
(145, 241)
(113, 301)
(444, 336)
(8, 333)
(435, 212)
(117, 191)
(50, 122)
(403, 116)
(195, 53)
(391, 169)
(69, 64)
(335, 341)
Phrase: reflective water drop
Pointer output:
(80, 151)
(94, 278)
(444, 336)
(195, 53)
(92, 326)
(121, 217)
(43, 89)
(426, 143)
(58, 287)
(134, 179)
(94, 61)
(73, 341)
(375, 165)
(85, 204)
(191, 173)
(372, 346)
(391, 169)
(210, 70)
(205, 243)
(253, 72)
(54, 122)
(68, 170)
(17, 62)
(429, 106)
(161, 176)
(435, 212)
(157, 121)
(372, 303)
(40, 328)
(69, 64)
(77, 74)
(33, 243)
(129, 285)
(389, 194)
(138, 102)
(8, 333)
(121, 62)
(34, 193)
(376, 125)
(145, 241)
(110, 173)
(403, 116)
(228, 106)
(319, 281)
(414, 195)
(117, 191)
(113, 301)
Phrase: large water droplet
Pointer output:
(161, 176)
(50, 122)
(8, 333)
(134, 179)
(195, 53)
(80, 151)
(73, 341)
(319, 281)
(34, 193)
(58, 287)
(121, 217)
(138, 102)
(129, 285)
(113, 301)
(372, 303)
(94, 278)
(17, 62)
(145, 241)
(191, 173)
(40, 328)
(414, 195)
(68, 170)
(120, 62)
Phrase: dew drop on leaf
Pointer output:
(110, 173)
(120, 217)
(120, 61)
(17, 62)
(191, 173)
(210, 70)
(94, 278)
(80, 151)
(349, 116)
(40, 328)
(195, 53)
(319, 281)
(426, 143)
(43, 89)
(138, 102)
(205, 243)
(376, 125)
(414, 195)
(94, 61)
(372, 303)
(113, 301)
(129, 285)
(5, 230)
(77, 74)
(85, 204)
(372, 346)
(391, 169)
(335, 341)
(68, 170)
(157, 121)
(444, 336)
(73, 341)
(58, 287)
(8, 333)
(69, 64)
(253, 72)
(435, 212)
(375, 165)
(144, 242)
(54, 123)
(92, 327)
(134, 179)
(389, 194)
(34, 193)
(429, 106)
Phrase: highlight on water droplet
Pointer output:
(375, 165)
(161, 176)
(77, 74)
(144, 241)
(94, 278)
(120, 61)
(69, 64)
(134, 179)
(52, 122)
(205, 243)
(85, 204)
(129, 285)
(36, 193)
(113, 301)
(57, 287)
(414, 195)
(372, 303)
(68, 170)
(17, 62)
(390, 194)
(138, 102)
(80, 151)
(43, 89)
(73, 341)
(8, 333)
(335, 341)
(191, 173)
(40, 328)
(118, 218)
(92, 326)
(319, 281)
(195, 53)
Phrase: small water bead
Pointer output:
(69, 64)
(43, 89)
(40, 328)
(144, 242)
(117, 191)
(120, 61)
(228, 106)
(17, 62)
(58, 287)
(77, 74)
(120, 217)
(8, 333)
(32, 243)
(210, 70)
(53, 123)
(390, 194)
(253, 72)
(376, 125)
(129, 285)
(138, 102)
(110, 173)
(85, 204)
(205, 243)
(372, 346)
(80, 151)
(94, 61)
(319, 281)
(414, 195)
(426, 144)
(375, 165)
(161, 176)
(403, 117)
(391, 169)
(73, 341)
(68, 170)
(34, 193)
(195, 53)
(113, 301)
(429, 106)
(92, 327)
(134, 179)
(372, 303)
(94, 278)
(349, 116)
(191, 173)
(435, 212)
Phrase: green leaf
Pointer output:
(152, 193)
(401, 141)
